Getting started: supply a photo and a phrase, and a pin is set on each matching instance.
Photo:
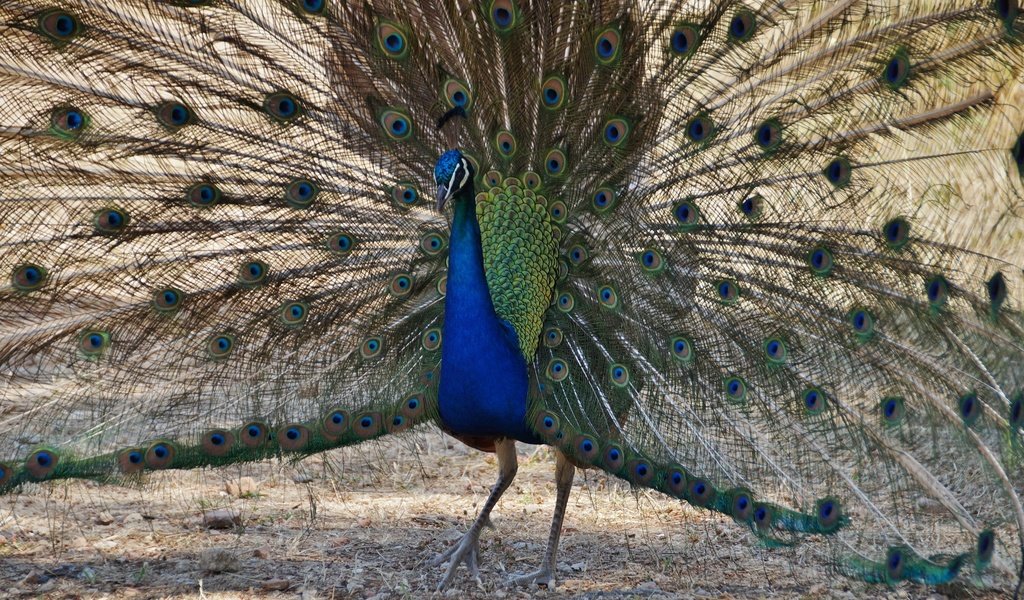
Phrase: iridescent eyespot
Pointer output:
(432, 338)
(895, 561)
(970, 408)
(684, 40)
(110, 221)
(301, 193)
(335, 423)
(769, 135)
(167, 300)
(604, 199)
(608, 296)
(619, 375)
(367, 425)
(763, 516)
(578, 255)
(41, 463)
(400, 285)
(862, 322)
(371, 347)
(552, 337)
(253, 435)
(775, 350)
(203, 195)
(397, 124)
(433, 243)
(26, 278)
(220, 345)
(503, 15)
(742, 26)
(554, 163)
(752, 206)
(586, 448)
(313, 7)
(735, 390)
(675, 481)
(686, 214)
(997, 290)
(253, 272)
(553, 92)
(897, 70)
(682, 349)
(838, 172)
(93, 342)
(651, 261)
(174, 115)
(613, 459)
(292, 437)
(392, 40)
(985, 547)
(828, 513)
(699, 492)
(607, 45)
(892, 410)
(340, 243)
(456, 93)
(505, 143)
(742, 505)
(59, 26)
(404, 194)
(129, 461)
(546, 424)
(700, 129)
(160, 455)
(937, 290)
(814, 401)
(1017, 412)
(558, 211)
(640, 472)
(282, 106)
(565, 302)
(442, 285)
(616, 131)
(896, 233)
(821, 261)
(218, 442)
(68, 122)
(293, 314)
(557, 370)
(728, 291)
(531, 180)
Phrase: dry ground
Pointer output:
(363, 522)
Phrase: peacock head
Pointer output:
(452, 173)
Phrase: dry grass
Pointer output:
(367, 521)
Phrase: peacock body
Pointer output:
(755, 255)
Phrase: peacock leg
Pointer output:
(564, 472)
(468, 548)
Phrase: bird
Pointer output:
(761, 256)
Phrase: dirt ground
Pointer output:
(364, 523)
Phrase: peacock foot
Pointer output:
(466, 551)
(544, 577)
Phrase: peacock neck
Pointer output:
(482, 393)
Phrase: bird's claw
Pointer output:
(466, 551)
(541, 577)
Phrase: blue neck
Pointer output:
(483, 375)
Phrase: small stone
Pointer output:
(218, 560)
(364, 522)
(245, 486)
(35, 577)
(222, 518)
(261, 552)
(105, 545)
(104, 518)
(133, 519)
(276, 585)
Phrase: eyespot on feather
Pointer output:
(301, 193)
(131, 460)
(28, 277)
(335, 424)
(366, 425)
(59, 25)
(203, 195)
(553, 92)
(283, 107)
(396, 123)
(392, 40)
(607, 46)
(292, 438)
(218, 442)
(41, 464)
(160, 455)
(254, 434)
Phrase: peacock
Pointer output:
(756, 255)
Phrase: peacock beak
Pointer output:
(442, 196)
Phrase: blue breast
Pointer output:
(484, 383)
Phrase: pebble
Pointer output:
(222, 518)
(218, 560)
